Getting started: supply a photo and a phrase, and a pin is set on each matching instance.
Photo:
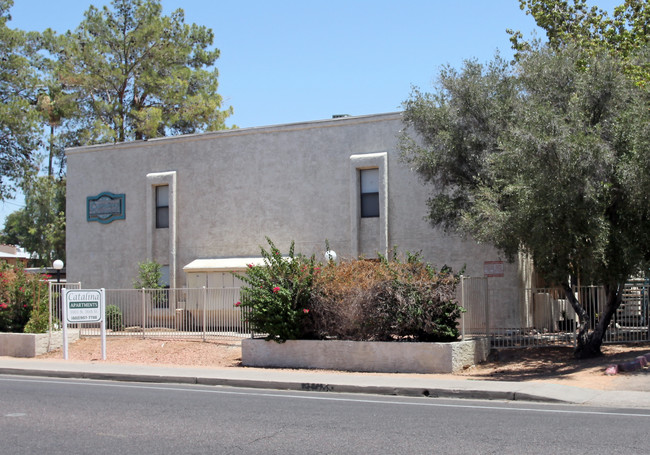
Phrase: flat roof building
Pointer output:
(201, 205)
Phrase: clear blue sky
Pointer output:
(291, 61)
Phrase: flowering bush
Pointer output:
(276, 298)
(294, 297)
(23, 301)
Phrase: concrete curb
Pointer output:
(474, 394)
(126, 377)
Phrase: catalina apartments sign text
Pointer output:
(105, 207)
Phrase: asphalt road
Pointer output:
(55, 416)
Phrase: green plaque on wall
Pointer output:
(106, 207)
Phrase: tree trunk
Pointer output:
(589, 343)
(50, 163)
(584, 326)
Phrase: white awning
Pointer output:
(222, 264)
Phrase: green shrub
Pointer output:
(39, 317)
(149, 278)
(23, 300)
(149, 275)
(114, 318)
(276, 298)
(423, 310)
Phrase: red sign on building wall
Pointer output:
(493, 268)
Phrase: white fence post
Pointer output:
(64, 329)
(205, 299)
(487, 308)
(144, 313)
(462, 303)
(49, 319)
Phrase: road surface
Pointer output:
(58, 416)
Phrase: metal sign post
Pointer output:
(84, 306)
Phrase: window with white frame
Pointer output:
(369, 192)
(162, 206)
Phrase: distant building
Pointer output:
(201, 205)
(13, 255)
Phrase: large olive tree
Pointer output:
(549, 155)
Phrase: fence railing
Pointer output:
(55, 305)
(544, 317)
(541, 317)
(205, 313)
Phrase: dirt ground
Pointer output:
(554, 364)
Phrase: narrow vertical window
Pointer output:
(162, 206)
(161, 296)
(164, 276)
(369, 193)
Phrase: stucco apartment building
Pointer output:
(203, 204)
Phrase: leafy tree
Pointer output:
(60, 117)
(137, 74)
(40, 226)
(150, 278)
(550, 156)
(19, 135)
(625, 33)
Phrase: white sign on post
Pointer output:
(84, 306)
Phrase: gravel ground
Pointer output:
(554, 364)
(223, 354)
(557, 365)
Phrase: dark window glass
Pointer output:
(162, 207)
(162, 217)
(369, 205)
(369, 192)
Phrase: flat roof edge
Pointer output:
(369, 118)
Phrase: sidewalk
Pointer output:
(305, 380)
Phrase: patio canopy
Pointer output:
(222, 264)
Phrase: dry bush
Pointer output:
(384, 300)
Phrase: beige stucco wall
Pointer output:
(33, 344)
(233, 188)
(372, 356)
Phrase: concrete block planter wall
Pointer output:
(368, 356)
(32, 344)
